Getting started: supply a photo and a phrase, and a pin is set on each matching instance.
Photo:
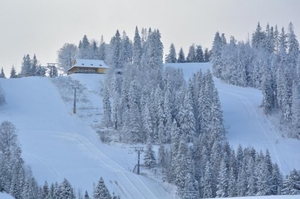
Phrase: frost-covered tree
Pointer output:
(106, 108)
(191, 57)
(171, 57)
(13, 73)
(199, 57)
(2, 75)
(206, 55)
(215, 58)
(149, 156)
(101, 191)
(293, 45)
(94, 50)
(295, 109)
(267, 90)
(26, 64)
(114, 51)
(222, 184)
(258, 37)
(125, 56)
(137, 49)
(84, 49)
(102, 49)
(66, 190)
(181, 56)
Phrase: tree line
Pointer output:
(270, 61)
(146, 103)
(17, 179)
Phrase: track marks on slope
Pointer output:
(250, 107)
(84, 144)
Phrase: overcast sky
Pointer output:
(41, 27)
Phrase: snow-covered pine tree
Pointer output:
(295, 123)
(114, 51)
(293, 45)
(102, 49)
(171, 57)
(125, 56)
(175, 141)
(2, 75)
(187, 119)
(276, 184)
(215, 57)
(206, 55)
(222, 183)
(199, 57)
(86, 195)
(135, 126)
(34, 66)
(101, 191)
(258, 37)
(13, 73)
(84, 49)
(94, 50)
(149, 156)
(207, 190)
(267, 90)
(106, 108)
(66, 190)
(291, 184)
(191, 57)
(26, 64)
(181, 56)
(46, 191)
(137, 49)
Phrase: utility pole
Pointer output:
(138, 150)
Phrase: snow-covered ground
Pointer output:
(246, 124)
(5, 196)
(58, 144)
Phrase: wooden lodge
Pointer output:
(88, 66)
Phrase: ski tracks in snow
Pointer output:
(252, 112)
(124, 177)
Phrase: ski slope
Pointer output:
(245, 122)
(58, 144)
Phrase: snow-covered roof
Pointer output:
(89, 63)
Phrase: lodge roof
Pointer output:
(89, 63)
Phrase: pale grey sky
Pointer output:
(43, 26)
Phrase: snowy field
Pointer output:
(58, 144)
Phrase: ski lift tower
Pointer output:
(51, 66)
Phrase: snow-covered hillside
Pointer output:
(58, 144)
(246, 124)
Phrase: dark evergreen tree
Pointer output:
(206, 55)
(181, 57)
(191, 57)
(26, 64)
(2, 75)
(13, 73)
(171, 57)
(102, 49)
(199, 57)
(137, 50)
